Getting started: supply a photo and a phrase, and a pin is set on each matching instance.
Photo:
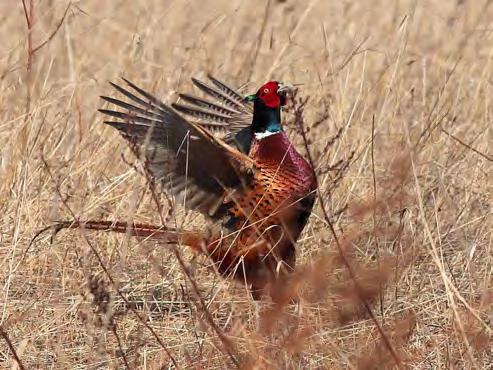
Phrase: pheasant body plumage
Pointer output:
(269, 215)
(234, 164)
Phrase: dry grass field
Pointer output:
(408, 82)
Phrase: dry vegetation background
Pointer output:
(416, 76)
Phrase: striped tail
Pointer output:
(195, 240)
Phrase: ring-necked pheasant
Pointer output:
(229, 162)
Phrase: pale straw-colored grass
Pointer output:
(410, 83)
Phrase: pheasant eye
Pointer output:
(266, 91)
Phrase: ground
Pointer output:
(405, 279)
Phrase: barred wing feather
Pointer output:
(174, 150)
(224, 112)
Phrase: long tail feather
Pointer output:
(195, 240)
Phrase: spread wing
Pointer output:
(183, 156)
(224, 112)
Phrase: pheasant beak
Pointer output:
(284, 89)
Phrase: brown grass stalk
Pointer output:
(398, 125)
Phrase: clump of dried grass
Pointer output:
(345, 286)
(413, 79)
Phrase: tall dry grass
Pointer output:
(408, 85)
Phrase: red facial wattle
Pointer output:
(268, 94)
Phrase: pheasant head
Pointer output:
(267, 103)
